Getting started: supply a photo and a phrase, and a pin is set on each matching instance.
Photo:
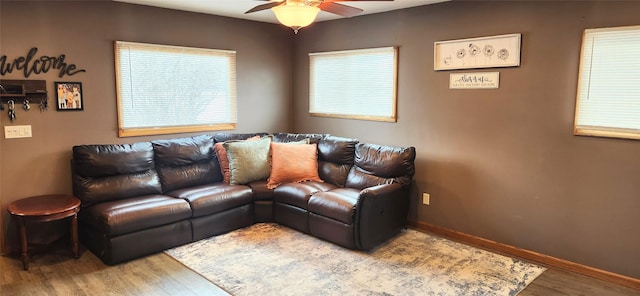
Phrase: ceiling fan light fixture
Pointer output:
(296, 16)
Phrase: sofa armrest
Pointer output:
(381, 212)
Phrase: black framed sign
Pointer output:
(69, 96)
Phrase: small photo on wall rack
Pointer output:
(69, 96)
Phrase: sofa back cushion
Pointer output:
(186, 162)
(377, 165)
(288, 137)
(222, 137)
(335, 158)
(111, 172)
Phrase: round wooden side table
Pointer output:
(45, 208)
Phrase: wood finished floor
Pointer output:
(55, 273)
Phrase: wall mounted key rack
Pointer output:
(22, 92)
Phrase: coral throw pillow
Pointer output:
(223, 159)
(293, 163)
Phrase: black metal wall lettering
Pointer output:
(43, 64)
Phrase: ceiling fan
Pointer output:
(301, 13)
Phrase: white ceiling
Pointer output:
(236, 8)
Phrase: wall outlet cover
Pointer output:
(425, 198)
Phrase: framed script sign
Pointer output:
(480, 80)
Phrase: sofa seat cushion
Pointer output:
(133, 214)
(321, 186)
(338, 204)
(214, 198)
(295, 194)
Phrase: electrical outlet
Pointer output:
(425, 198)
(17, 131)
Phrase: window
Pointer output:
(608, 100)
(358, 84)
(168, 89)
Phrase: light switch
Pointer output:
(17, 131)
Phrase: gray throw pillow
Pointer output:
(248, 160)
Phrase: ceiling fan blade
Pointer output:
(265, 6)
(353, 0)
(340, 9)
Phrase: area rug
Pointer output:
(270, 259)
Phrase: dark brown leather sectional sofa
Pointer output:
(142, 198)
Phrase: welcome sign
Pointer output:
(31, 64)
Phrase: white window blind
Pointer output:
(169, 89)
(608, 100)
(358, 84)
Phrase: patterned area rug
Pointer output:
(269, 259)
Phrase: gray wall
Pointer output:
(501, 164)
(84, 31)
